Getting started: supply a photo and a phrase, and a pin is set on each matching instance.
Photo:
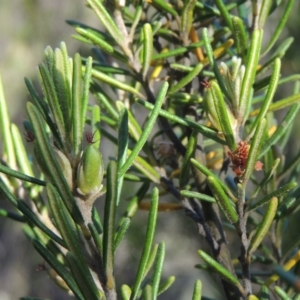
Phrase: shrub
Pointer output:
(210, 141)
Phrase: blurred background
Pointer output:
(26, 28)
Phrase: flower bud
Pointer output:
(90, 171)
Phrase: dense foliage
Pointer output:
(197, 75)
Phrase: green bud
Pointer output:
(90, 171)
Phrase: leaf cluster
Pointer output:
(198, 72)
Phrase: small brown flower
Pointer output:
(239, 159)
(206, 83)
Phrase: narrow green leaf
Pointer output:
(109, 223)
(223, 112)
(64, 223)
(150, 261)
(8, 194)
(219, 269)
(270, 94)
(181, 68)
(281, 293)
(123, 137)
(277, 193)
(123, 140)
(264, 12)
(76, 105)
(83, 278)
(159, 260)
(85, 92)
(29, 233)
(222, 200)
(206, 131)
(289, 167)
(82, 39)
(96, 237)
(61, 80)
(44, 111)
(104, 101)
(278, 53)
(197, 195)
(190, 152)
(197, 290)
(280, 104)
(187, 19)
(264, 293)
(147, 292)
(177, 51)
(16, 174)
(296, 296)
(186, 79)
(252, 61)
(125, 292)
(147, 130)
(27, 212)
(111, 69)
(281, 129)
(49, 59)
(212, 62)
(284, 207)
(31, 216)
(184, 98)
(147, 48)
(147, 245)
(165, 7)
(264, 226)
(11, 215)
(106, 20)
(96, 220)
(5, 130)
(280, 26)
(240, 35)
(52, 99)
(52, 164)
(97, 39)
(207, 172)
(133, 204)
(121, 232)
(67, 70)
(95, 122)
(21, 154)
(224, 12)
(58, 267)
(255, 147)
(134, 127)
(209, 104)
(116, 83)
(289, 277)
(136, 19)
(164, 286)
(104, 35)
